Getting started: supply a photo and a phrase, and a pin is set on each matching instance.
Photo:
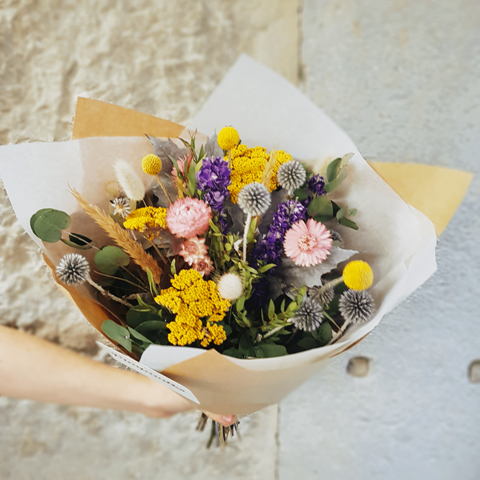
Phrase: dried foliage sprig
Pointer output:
(144, 260)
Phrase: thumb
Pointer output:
(224, 420)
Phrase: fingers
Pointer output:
(224, 420)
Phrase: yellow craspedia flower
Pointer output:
(228, 138)
(151, 164)
(358, 275)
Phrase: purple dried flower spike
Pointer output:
(316, 184)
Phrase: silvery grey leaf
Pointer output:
(289, 273)
(212, 148)
(237, 217)
(163, 148)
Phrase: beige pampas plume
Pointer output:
(121, 237)
(128, 179)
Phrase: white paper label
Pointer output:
(148, 372)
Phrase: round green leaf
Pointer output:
(36, 216)
(109, 259)
(117, 333)
(49, 225)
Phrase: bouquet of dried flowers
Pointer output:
(231, 248)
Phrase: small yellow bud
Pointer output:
(228, 138)
(151, 164)
(358, 275)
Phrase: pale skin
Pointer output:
(34, 369)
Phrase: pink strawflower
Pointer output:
(307, 244)
(188, 217)
(181, 165)
(193, 250)
(204, 266)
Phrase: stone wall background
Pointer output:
(401, 77)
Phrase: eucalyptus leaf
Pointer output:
(352, 212)
(272, 350)
(331, 186)
(109, 259)
(151, 282)
(307, 343)
(233, 352)
(36, 216)
(139, 315)
(118, 334)
(332, 169)
(324, 333)
(341, 213)
(348, 223)
(138, 336)
(49, 225)
(320, 206)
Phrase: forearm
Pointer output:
(38, 370)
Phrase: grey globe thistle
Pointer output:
(336, 237)
(254, 199)
(73, 269)
(309, 316)
(356, 306)
(291, 175)
(324, 297)
(121, 206)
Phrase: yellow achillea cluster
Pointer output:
(147, 220)
(248, 165)
(192, 299)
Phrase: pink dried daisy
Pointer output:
(307, 244)
(188, 217)
(204, 266)
(193, 250)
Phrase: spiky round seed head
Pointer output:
(128, 179)
(228, 138)
(336, 237)
(230, 286)
(151, 164)
(254, 199)
(358, 275)
(73, 269)
(356, 306)
(291, 175)
(121, 206)
(309, 316)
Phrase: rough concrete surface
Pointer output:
(401, 77)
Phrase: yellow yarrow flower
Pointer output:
(147, 220)
(228, 138)
(151, 164)
(248, 165)
(358, 275)
(192, 299)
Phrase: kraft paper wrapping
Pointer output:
(402, 258)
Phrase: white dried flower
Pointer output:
(291, 175)
(356, 306)
(73, 269)
(230, 286)
(254, 199)
(121, 206)
(128, 179)
(309, 316)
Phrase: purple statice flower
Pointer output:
(213, 180)
(316, 184)
(270, 248)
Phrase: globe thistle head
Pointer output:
(356, 306)
(73, 269)
(291, 175)
(254, 199)
(309, 316)
(128, 179)
(336, 237)
(121, 206)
